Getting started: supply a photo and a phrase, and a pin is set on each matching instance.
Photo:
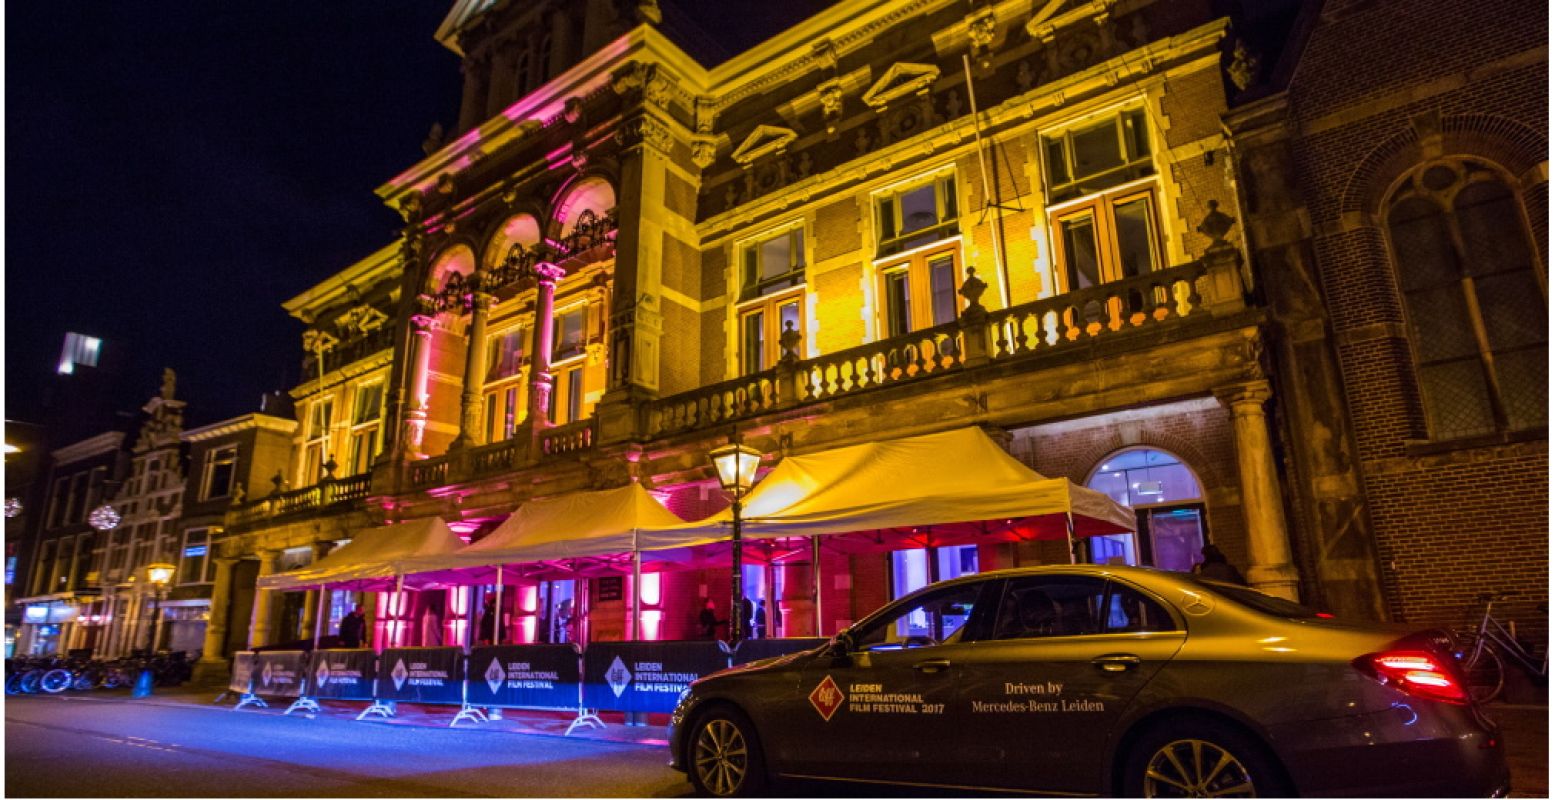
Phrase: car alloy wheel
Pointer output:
(1196, 768)
(722, 757)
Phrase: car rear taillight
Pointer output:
(1415, 672)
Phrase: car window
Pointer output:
(1050, 605)
(937, 617)
(1129, 611)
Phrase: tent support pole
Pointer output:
(496, 624)
(318, 618)
(1069, 533)
(637, 595)
(399, 611)
(815, 575)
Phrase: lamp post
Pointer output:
(736, 465)
(159, 575)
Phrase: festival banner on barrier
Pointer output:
(525, 676)
(645, 676)
(341, 674)
(279, 673)
(242, 671)
(421, 675)
(756, 649)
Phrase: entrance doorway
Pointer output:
(1167, 502)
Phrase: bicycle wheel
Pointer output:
(1484, 671)
(29, 682)
(56, 680)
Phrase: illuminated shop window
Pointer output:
(916, 215)
(910, 569)
(1477, 310)
(195, 564)
(1168, 505)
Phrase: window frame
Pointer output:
(748, 251)
(311, 470)
(204, 558)
(212, 460)
(1102, 208)
(505, 398)
(947, 210)
(771, 309)
(1075, 188)
(916, 264)
(370, 429)
(1411, 186)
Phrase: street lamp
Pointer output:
(159, 574)
(736, 465)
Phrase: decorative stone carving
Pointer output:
(824, 54)
(643, 130)
(1024, 77)
(434, 140)
(1216, 225)
(361, 320)
(410, 206)
(765, 140)
(572, 110)
(830, 94)
(862, 142)
(316, 341)
(982, 29)
(1243, 69)
(789, 340)
(953, 104)
(972, 289)
(903, 79)
(704, 150)
(445, 184)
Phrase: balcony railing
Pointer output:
(324, 494)
(573, 437)
(1110, 311)
(352, 351)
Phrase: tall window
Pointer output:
(920, 291)
(1102, 201)
(505, 360)
(761, 329)
(919, 214)
(315, 447)
(57, 501)
(912, 570)
(567, 360)
(366, 422)
(525, 71)
(220, 472)
(195, 564)
(1474, 299)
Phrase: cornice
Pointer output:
(355, 369)
(546, 105)
(335, 289)
(86, 448)
(256, 421)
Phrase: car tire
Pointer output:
(723, 756)
(1199, 758)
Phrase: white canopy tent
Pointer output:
(374, 559)
(960, 483)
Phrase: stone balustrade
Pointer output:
(570, 438)
(324, 494)
(931, 351)
(715, 404)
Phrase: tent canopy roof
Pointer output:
(942, 479)
(372, 559)
(570, 526)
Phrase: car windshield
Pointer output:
(1258, 601)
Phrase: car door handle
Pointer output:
(1116, 663)
(932, 665)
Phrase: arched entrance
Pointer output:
(1167, 501)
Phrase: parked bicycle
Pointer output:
(1482, 652)
(55, 674)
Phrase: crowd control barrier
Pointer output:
(242, 680)
(756, 649)
(645, 676)
(431, 675)
(545, 676)
(336, 675)
(274, 674)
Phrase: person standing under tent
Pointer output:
(352, 628)
(741, 628)
(759, 622)
(488, 623)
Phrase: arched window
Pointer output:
(517, 229)
(592, 195)
(1473, 297)
(1168, 504)
(457, 259)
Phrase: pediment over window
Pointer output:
(764, 140)
(902, 79)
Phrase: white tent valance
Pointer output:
(373, 559)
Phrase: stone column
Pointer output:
(310, 610)
(212, 660)
(540, 379)
(259, 629)
(1268, 543)
(416, 405)
(472, 107)
(470, 432)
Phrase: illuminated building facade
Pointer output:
(893, 218)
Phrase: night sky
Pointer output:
(176, 170)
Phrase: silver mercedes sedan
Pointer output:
(1087, 680)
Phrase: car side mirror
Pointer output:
(841, 645)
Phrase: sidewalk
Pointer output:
(1526, 728)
